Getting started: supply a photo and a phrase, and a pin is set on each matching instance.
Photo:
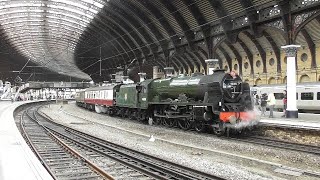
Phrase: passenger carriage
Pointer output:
(307, 96)
(101, 99)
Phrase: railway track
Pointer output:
(271, 142)
(261, 141)
(117, 161)
(60, 161)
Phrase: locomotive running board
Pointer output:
(173, 117)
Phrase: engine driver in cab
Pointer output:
(234, 75)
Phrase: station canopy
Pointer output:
(47, 31)
(93, 39)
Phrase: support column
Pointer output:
(211, 63)
(291, 51)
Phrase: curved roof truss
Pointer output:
(47, 31)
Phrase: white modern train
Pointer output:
(308, 95)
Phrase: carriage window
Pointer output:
(318, 95)
(297, 96)
(278, 96)
(307, 96)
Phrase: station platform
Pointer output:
(17, 161)
(307, 121)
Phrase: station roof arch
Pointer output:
(91, 39)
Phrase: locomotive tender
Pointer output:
(218, 100)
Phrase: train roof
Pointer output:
(309, 84)
(108, 87)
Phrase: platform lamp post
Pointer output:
(291, 51)
(211, 63)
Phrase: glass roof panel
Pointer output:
(47, 31)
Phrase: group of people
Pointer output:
(266, 100)
(270, 101)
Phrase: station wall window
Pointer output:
(258, 63)
(307, 96)
(246, 65)
(304, 57)
(271, 62)
(318, 95)
(235, 67)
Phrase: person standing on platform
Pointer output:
(271, 103)
(264, 98)
(257, 102)
(284, 103)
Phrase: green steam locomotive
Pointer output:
(198, 101)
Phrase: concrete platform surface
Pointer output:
(17, 161)
(304, 121)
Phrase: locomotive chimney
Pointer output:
(142, 76)
(169, 71)
(114, 78)
(211, 65)
(125, 79)
(157, 72)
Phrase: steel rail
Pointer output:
(152, 166)
(65, 148)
